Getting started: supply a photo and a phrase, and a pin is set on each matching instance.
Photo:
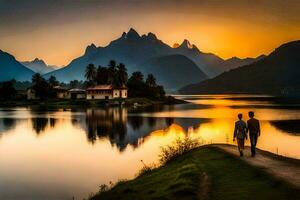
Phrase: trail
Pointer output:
(282, 168)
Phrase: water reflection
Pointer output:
(7, 124)
(38, 144)
(288, 126)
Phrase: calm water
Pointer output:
(57, 154)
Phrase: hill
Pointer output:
(38, 66)
(174, 71)
(277, 73)
(10, 68)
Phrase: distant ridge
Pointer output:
(277, 73)
(135, 50)
(10, 68)
(39, 66)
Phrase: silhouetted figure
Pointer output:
(254, 131)
(240, 133)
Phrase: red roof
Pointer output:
(105, 87)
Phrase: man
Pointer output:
(254, 131)
(240, 133)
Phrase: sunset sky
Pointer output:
(59, 31)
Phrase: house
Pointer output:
(57, 92)
(106, 92)
(31, 94)
(60, 92)
(77, 93)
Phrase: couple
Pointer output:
(241, 132)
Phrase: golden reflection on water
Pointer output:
(61, 154)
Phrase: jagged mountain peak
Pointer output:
(38, 61)
(186, 44)
(91, 49)
(132, 34)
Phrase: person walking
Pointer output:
(240, 133)
(254, 132)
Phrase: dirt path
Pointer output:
(279, 167)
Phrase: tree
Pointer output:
(52, 81)
(151, 81)
(36, 78)
(40, 86)
(7, 90)
(102, 75)
(90, 73)
(122, 74)
(112, 72)
(136, 85)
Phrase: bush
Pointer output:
(146, 168)
(178, 148)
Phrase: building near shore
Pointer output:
(76, 93)
(60, 92)
(106, 92)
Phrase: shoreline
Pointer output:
(67, 103)
(212, 172)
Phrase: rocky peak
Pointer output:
(91, 49)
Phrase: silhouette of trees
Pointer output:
(151, 81)
(40, 86)
(116, 75)
(7, 90)
(91, 73)
(53, 81)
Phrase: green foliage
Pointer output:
(146, 168)
(178, 148)
(229, 178)
(116, 74)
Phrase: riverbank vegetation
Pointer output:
(202, 173)
(141, 91)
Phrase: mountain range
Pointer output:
(10, 68)
(277, 73)
(145, 53)
(174, 66)
(39, 66)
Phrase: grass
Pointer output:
(182, 178)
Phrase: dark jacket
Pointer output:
(253, 126)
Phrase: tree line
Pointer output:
(117, 75)
(113, 74)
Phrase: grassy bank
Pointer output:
(65, 103)
(203, 173)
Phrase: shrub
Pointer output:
(178, 148)
(146, 168)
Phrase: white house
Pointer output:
(106, 92)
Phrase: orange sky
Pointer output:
(59, 31)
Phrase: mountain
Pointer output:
(277, 73)
(10, 68)
(173, 71)
(233, 63)
(205, 61)
(38, 66)
(134, 51)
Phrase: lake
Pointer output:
(61, 153)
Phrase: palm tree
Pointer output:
(90, 73)
(53, 81)
(102, 75)
(151, 81)
(112, 71)
(36, 78)
(122, 74)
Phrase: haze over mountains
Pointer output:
(174, 66)
(277, 73)
(138, 53)
(10, 68)
(39, 66)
